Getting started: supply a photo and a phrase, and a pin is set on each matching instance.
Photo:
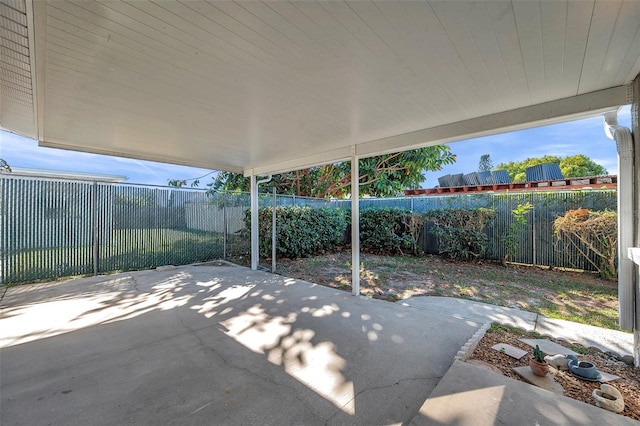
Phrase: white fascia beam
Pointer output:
(581, 106)
(567, 109)
(37, 33)
(325, 157)
(157, 157)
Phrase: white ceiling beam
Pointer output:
(562, 110)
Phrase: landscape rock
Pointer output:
(627, 359)
(614, 355)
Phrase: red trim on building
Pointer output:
(593, 182)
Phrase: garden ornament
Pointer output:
(609, 398)
(559, 362)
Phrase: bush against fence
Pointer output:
(301, 231)
(461, 232)
(390, 231)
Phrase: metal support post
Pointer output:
(273, 233)
(254, 223)
(355, 224)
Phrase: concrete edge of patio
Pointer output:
(572, 332)
(471, 395)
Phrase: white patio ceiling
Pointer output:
(257, 87)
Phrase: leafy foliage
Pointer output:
(4, 166)
(301, 231)
(460, 232)
(592, 232)
(571, 166)
(513, 236)
(390, 231)
(485, 164)
(381, 176)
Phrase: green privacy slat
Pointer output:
(47, 226)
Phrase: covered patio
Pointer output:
(264, 87)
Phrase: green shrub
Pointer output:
(301, 231)
(460, 232)
(390, 231)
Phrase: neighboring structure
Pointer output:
(60, 222)
(61, 174)
(594, 182)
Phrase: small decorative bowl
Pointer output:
(584, 369)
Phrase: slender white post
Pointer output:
(635, 127)
(254, 223)
(273, 232)
(355, 224)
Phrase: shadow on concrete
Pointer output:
(216, 345)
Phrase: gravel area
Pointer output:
(628, 384)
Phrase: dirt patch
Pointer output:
(574, 296)
(581, 390)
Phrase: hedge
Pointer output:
(302, 231)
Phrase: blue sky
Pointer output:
(578, 137)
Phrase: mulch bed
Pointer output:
(628, 384)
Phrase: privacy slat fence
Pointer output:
(538, 244)
(55, 228)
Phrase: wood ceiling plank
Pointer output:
(528, 24)
(13, 15)
(15, 40)
(603, 21)
(577, 34)
(505, 30)
(16, 83)
(465, 28)
(363, 88)
(395, 84)
(625, 45)
(18, 5)
(419, 49)
(12, 26)
(553, 19)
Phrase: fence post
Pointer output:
(224, 226)
(94, 216)
(533, 233)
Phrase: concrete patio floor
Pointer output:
(216, 345)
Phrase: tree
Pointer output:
(381, 176)
(485, 164)
(571, 166)
(4, 166)
(579, 166)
